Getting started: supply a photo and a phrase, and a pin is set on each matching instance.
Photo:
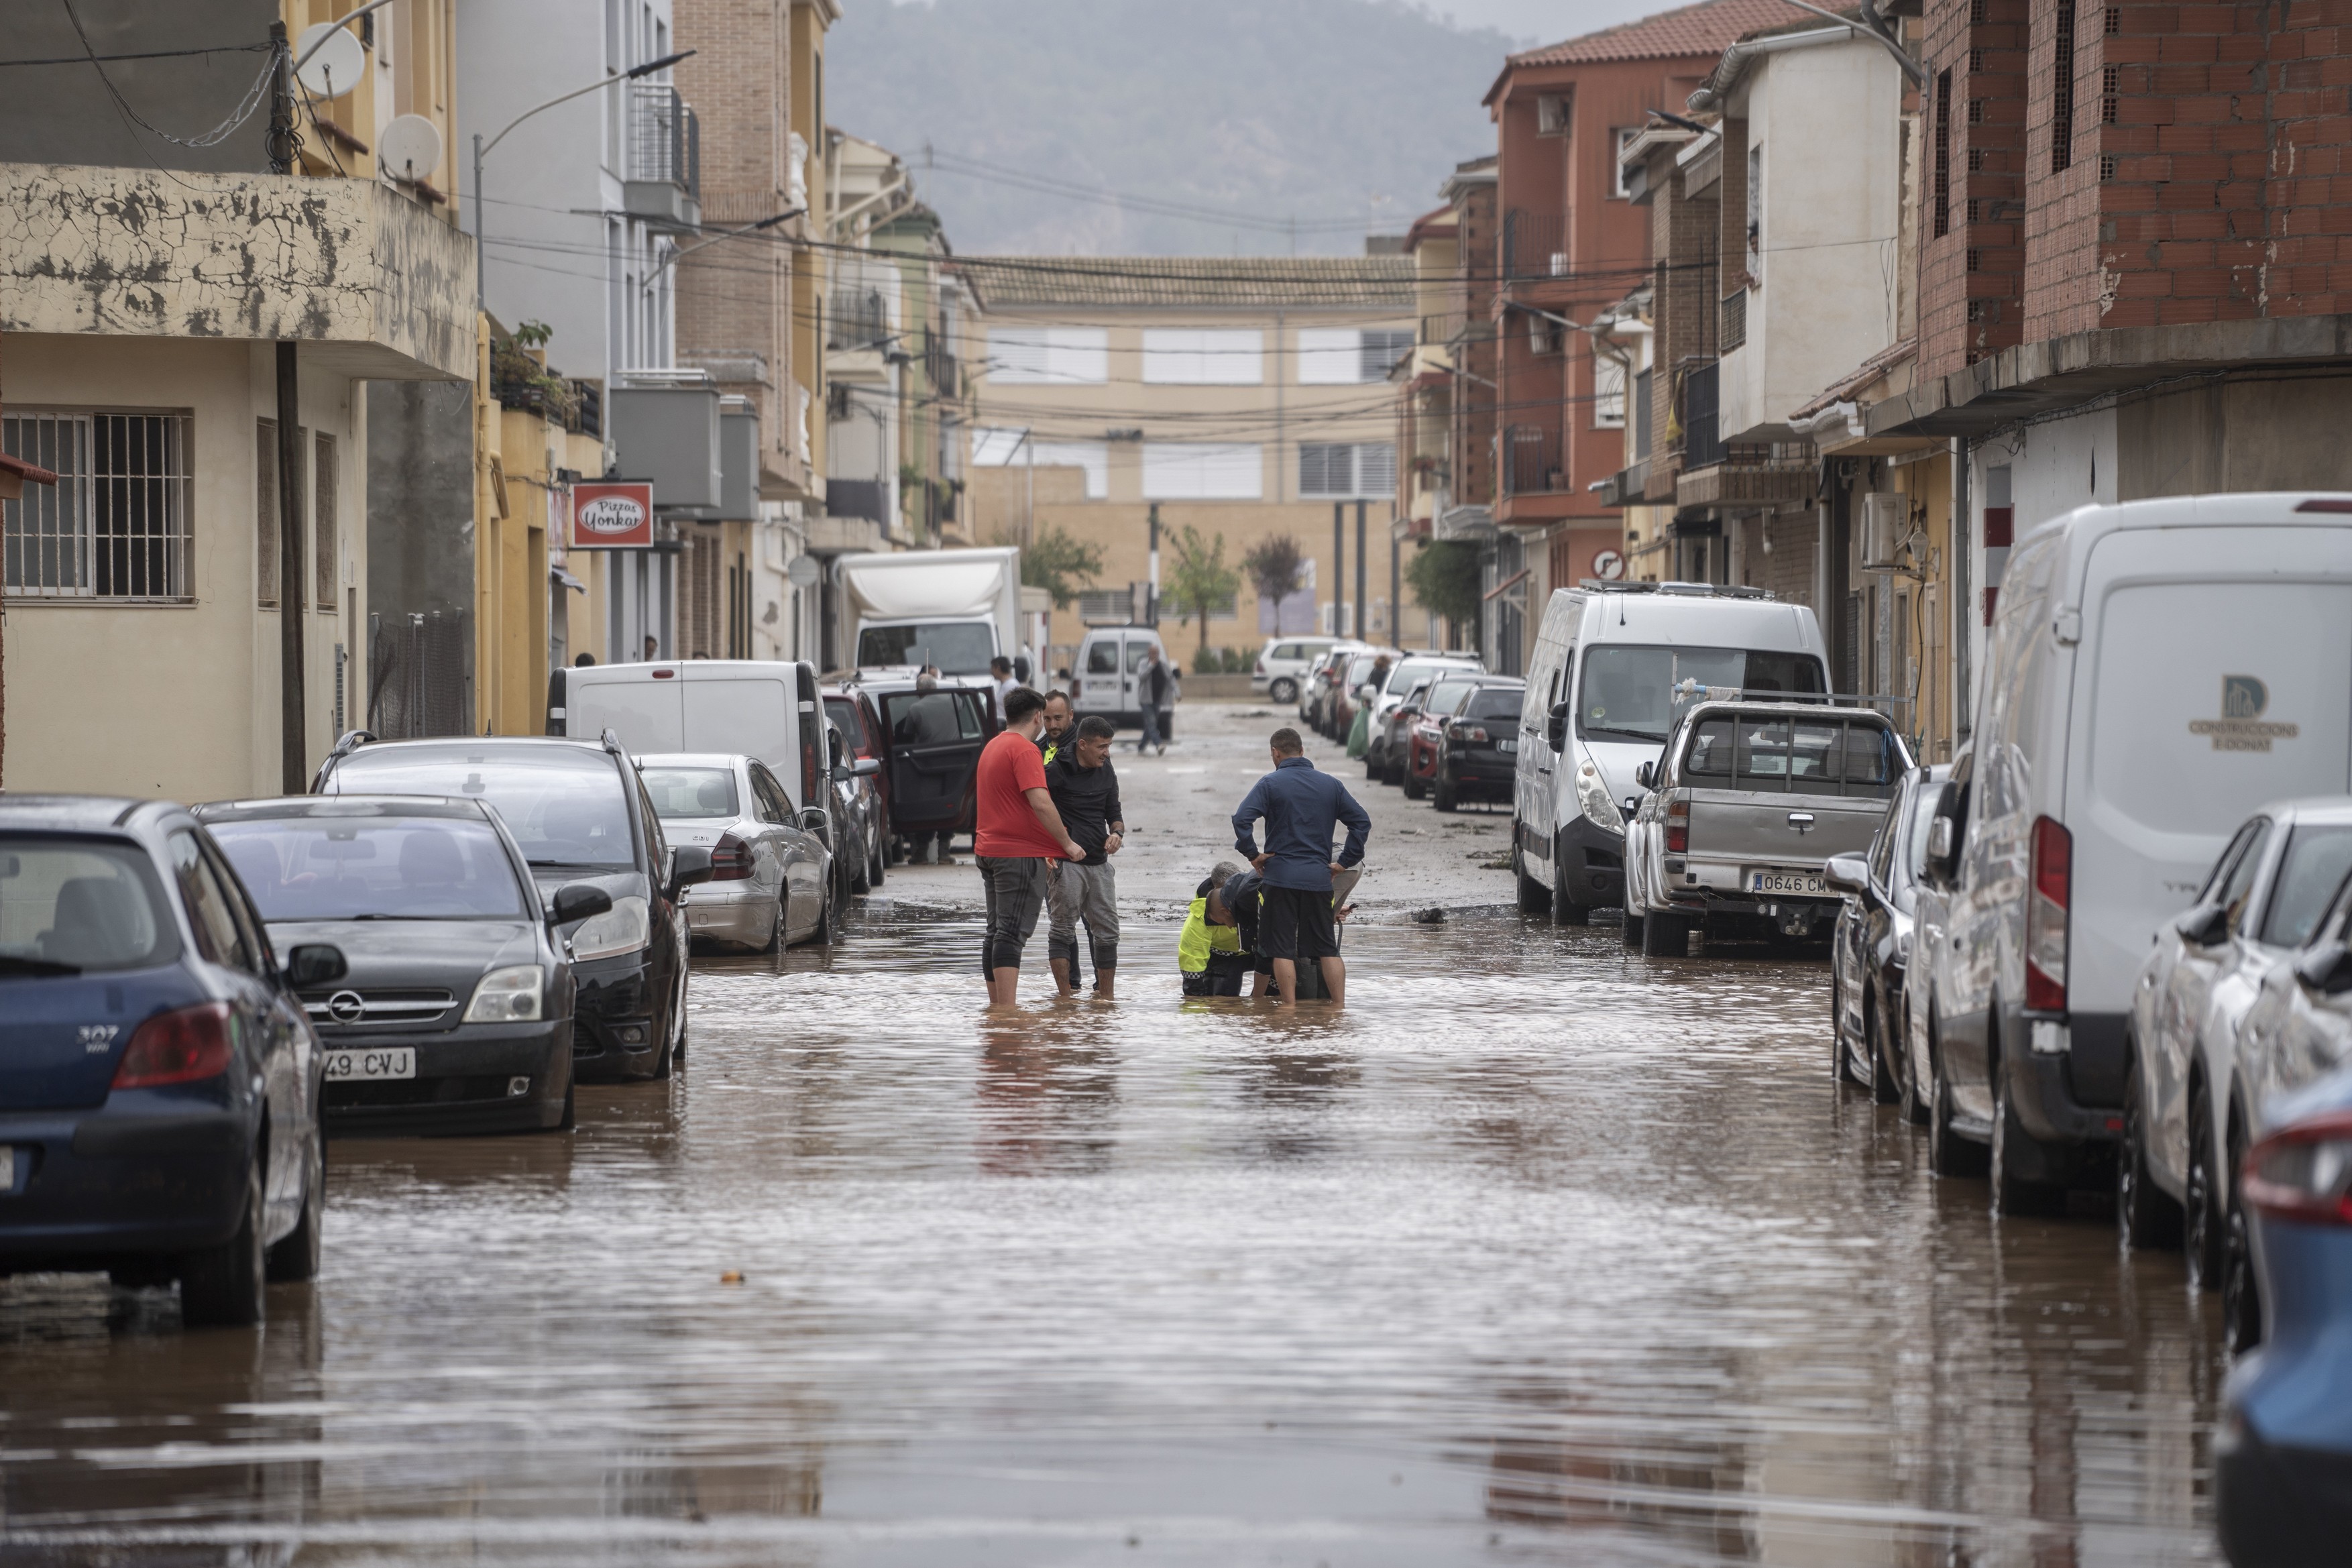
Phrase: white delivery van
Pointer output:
(1600, 702)
(1103, 680)
(2157, 671)
(762, 708)
(955, 609)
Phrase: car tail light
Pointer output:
(730, 859)
(1677, 826)
(182, 1047)
(2304, 1171)
(2045, 917)
(1474, 733)
(1261, 664)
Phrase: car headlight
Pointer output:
(624, 927)
(507, 994)
(1593, 795)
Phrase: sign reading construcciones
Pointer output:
(612, 515)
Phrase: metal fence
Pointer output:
(1534, 461)
(856, 318)
(1702, 432)
(417, 680)
(115, 526)
(1733, 322)
(664, 137)
(1533, 245)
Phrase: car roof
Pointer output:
(78, 813)
(1726, 706)
(2329, 809)
(693, 759)
(523, 744)
(343, 805)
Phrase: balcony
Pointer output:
(856, 318)
(1533, 245)
(663, 181)
(940, 366)
(1733, 322)
(1702, 432)
(856, 497)
(1533, 460)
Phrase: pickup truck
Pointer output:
(1745, 807)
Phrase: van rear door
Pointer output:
(641, 703)
(733, 708)
(2215, 673)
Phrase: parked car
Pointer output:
(1315, 690)
(1416, 759)
(857, 807)
(851, 708)
(2115, 751)
(2283, 1455)
(1385, 749)
(1281, 663)
(581, 814)
(1744, 807)
(1407, 675)
(772, 883)
(1347, 684)
(1477, 745)
(933, 733)
(1603, 678)
(2190, 1103)
(1109, 661)
(1871, 949)
(161, 1082)
(454, 1014)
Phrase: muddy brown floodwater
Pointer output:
(1542, 1253)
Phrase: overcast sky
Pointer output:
(1544, 21)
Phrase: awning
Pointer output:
(558, 574)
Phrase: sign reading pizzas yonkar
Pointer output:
(612, 515)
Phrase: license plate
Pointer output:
(399, 1061)
(1798, 882)
(1506, 746)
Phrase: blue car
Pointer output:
(2283, 1460)
(159, 1083)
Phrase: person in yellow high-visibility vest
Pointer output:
(1210, 955)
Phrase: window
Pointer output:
(1756, 212)
(1202, 470)
(1620, 139)
(1104, 608)
(1382, 348)
(1608, 392)
(999, 449)
(207, 903)
(1553, 110)
(1187, 356)
(265, 513)
(2314, 866)
(2062, 90)
(692, 792)
(1345, 469)
(1943, 216)
(87, 904)
(561, 806)
(335, 869)
(774, 804)
(1049, 356)
(1102, 657)
(115, 525)
(1347, 356)
(323, 520)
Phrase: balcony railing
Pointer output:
(1702, 432)
(1533, 245)
(940, 365)
(1734, 320)
(1640, 414)
(665, 138)
(1533, 460)
(856, 320)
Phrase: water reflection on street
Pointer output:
(1542, 1252)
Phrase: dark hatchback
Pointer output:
(581, 814)
(159, 1085)
(1477, 749)
(1870, 949)
(454, 1014)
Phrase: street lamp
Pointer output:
(482, 148)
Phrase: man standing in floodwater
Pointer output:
(1301, 807)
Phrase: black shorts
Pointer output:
(1295, 924)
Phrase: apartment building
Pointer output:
(1240, 397)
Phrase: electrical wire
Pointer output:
(254, 99)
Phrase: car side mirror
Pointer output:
(1644, 773)
(2207, 925)
(1847, 874)
(578, 901)
(315, 963)
(1556, 730)
(689, 864)
(2326, 970)
(814, 820)
(1940, 839)
(864, 767)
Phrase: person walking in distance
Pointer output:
(1301, 807)
(1151, 696)
(1056, 732)
(1085, 788)
(1000, 671)
(1018, 837)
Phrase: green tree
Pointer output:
(1275, 565)
(1444, 575)
(1201, 583)
(1059, 563)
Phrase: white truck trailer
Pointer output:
(956, 609)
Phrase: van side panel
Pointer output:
(751, 714)
(647, 714)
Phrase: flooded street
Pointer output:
(1542, 1252)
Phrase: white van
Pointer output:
(762, 707)
(1600, 702)
(1102, 681)
(2155, 672)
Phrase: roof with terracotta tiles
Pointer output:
(1192, 283)
(1702, 29)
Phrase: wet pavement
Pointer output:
(1542, 1252)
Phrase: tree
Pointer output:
(1059, 563)
(1201, 583)
(1445, 578)
(1275, 568)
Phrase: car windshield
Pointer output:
(930, 717)
(383, 867)
(1403, 676)
(1628, 692)
(1446, 696)
(1496, 702)
(71, 906)
(955, 647)
(2317, 859)
(565, 807)
(691, 792)
(844, 713)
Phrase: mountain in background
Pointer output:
(1222, 121)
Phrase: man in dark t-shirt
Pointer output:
(1085, 788)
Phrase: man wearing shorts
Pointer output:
(1301, 807)
(1018, 837)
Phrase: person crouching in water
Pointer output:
(1085, 788)
(1213, 950)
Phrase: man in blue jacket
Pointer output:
(1300, 806)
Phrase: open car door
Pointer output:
(935, 742)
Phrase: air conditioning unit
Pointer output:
(1886, 527)
(1559, 263)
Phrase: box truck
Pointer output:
(956, 609)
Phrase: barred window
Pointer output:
(323, 526)
(115, 525)
(2061, 94)
(265, 513)
(1943, 170)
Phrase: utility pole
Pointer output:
(1396, 582)
(1363, 624)
(293, 746)
(1151, 595)
(1338, 569)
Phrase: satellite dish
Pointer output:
(805, 571)
(336, 68)
(410, 148)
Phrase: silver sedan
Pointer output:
(772, 880)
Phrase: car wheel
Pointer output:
(1916, 1106)
(2242, 1307)
(1666, 936)
(2012, 1191)
(570, 1109)
(221, 1287)
(1415, 787)
(2146, 1215)
(779, 928)
(294, 1256)
(674, 1039)
(828, 925)
(861, 880)
(1840, 1060)
(1282, 690)
(1948, 1154)
(1535, 899)
(2201, 1223)
(876, 863)
(1882, 1086)
(1446, 796)
(1565, 910)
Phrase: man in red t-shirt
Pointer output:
(1019, 837)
